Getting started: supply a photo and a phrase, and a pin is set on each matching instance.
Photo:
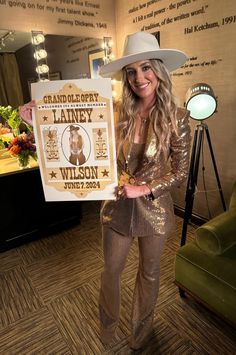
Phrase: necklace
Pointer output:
(143, 124)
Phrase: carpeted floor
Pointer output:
(49, 291)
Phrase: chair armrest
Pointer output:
(219, 234)
(232, 203)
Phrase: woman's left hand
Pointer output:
(133, 191)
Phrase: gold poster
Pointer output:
(74, 132)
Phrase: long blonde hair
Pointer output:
(162, 115)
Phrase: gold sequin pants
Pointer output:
(116, 248)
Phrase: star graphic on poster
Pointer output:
(105, 173)
(101, 116)
(53, 174)
(45, 118)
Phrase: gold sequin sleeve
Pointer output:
(179, 159)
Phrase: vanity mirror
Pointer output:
(67, 58)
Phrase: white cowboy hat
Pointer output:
(140, 46)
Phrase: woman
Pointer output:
(153, 155)
(76, 146)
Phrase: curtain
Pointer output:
(10, 85)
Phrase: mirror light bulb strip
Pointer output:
(40, 54)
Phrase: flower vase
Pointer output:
(23, 162)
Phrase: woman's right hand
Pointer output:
(26, 111)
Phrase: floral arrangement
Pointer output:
(20, 143)
(23, 147)
(5, 135)
(12, 118)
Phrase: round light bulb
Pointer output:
(39, 69)
(45, 68)
(201, 106)
(39, 38)
(40, 54)
(42, 69)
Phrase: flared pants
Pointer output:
(116, 248)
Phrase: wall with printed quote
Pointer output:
(93, 18)
(205, 30)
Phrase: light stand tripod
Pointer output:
(200, 129)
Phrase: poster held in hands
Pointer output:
(74, 132)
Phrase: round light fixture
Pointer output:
(42, 69)
(38, 38)
(201, 101)
(40, 54)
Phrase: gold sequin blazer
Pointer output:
(139, 216)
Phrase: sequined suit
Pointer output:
(139, 217)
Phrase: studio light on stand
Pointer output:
(202, 104)
(201, 101)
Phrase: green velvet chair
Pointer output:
(206, 267)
